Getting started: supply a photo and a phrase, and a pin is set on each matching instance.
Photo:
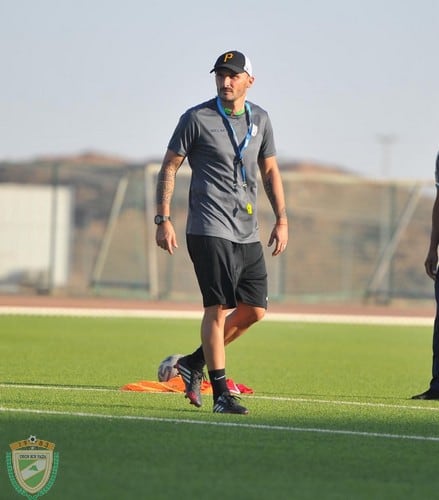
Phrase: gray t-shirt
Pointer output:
(219, 204)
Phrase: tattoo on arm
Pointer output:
(268, 187)
(166, 183)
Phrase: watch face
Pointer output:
(158, 219)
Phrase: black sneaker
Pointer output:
(429, 394)
(227, 403)
(192, 381)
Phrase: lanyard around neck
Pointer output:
(239, 148)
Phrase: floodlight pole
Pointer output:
(386, 141)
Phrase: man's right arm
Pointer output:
(165, 234)
(166, 181)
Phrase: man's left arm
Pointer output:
(272, 182)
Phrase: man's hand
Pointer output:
(279, 235)
(165, 237)
(431, 264)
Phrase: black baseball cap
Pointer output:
(234, 61)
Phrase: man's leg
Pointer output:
(209, 272)
(213, 342)
(212, 337)
(236, 323)
(433, 391)
(240, 320)
(434, 384)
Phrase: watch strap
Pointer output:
(159, 219)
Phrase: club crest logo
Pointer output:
(32, 466)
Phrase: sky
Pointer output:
(348, 83)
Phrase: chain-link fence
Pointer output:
(351, 238)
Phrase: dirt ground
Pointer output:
(400, 309)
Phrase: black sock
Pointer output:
(196, 359)
(218, 381)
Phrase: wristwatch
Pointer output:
(158, 219)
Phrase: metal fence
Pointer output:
(351, 238)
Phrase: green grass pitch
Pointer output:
(330, 418)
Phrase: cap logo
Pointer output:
(234, 61)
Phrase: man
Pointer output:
(431, 263)
(226, 141)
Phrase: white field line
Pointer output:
(349, 403)
(269, 398)
(59, 387)
(152, 313)
(264, 427)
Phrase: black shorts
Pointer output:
(228, 272)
